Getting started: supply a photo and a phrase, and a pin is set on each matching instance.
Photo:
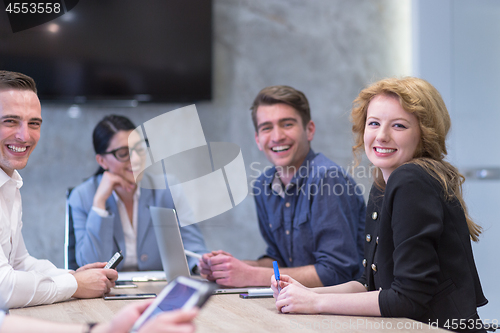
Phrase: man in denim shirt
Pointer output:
(311, 214)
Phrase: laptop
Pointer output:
(173, 258)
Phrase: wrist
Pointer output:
(319, 304)
(101, 212)
(99, 203)
(260, 276)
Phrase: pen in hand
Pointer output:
(192, 254)
(277, 275)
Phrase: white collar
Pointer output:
(16, 178)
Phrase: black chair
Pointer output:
(69, 238)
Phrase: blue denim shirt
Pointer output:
(319, 220)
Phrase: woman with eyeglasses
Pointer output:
(110, 210)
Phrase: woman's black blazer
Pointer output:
(418, 252)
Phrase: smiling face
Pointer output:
(109, 162)
(282, 136)
(20, 121)
(391, 134)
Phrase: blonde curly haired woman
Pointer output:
(418, 256)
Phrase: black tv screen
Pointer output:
(153, 50)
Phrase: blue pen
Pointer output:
(277, 274)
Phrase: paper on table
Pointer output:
(142, 276)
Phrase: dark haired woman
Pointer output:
(110, 211)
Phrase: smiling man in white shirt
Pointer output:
(25, 280)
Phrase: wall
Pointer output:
(457, 49)
(328, 49)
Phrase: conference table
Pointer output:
(224, 313)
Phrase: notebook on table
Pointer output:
(173, 258)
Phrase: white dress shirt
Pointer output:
(25, 280)
(129, 229)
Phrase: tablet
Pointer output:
(181, 293)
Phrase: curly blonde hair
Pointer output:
(420, 98)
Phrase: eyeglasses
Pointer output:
(122, 154)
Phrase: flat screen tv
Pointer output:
(150, 51)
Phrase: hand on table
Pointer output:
(229, 271)
(204, 265)
(295, 298)
(171, 321)
(94, 282)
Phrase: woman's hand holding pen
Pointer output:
(285, 280)
(295, 298)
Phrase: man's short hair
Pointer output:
(14, 80)
(282, 94)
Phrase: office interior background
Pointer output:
(330, 50)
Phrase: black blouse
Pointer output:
(418, 253)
